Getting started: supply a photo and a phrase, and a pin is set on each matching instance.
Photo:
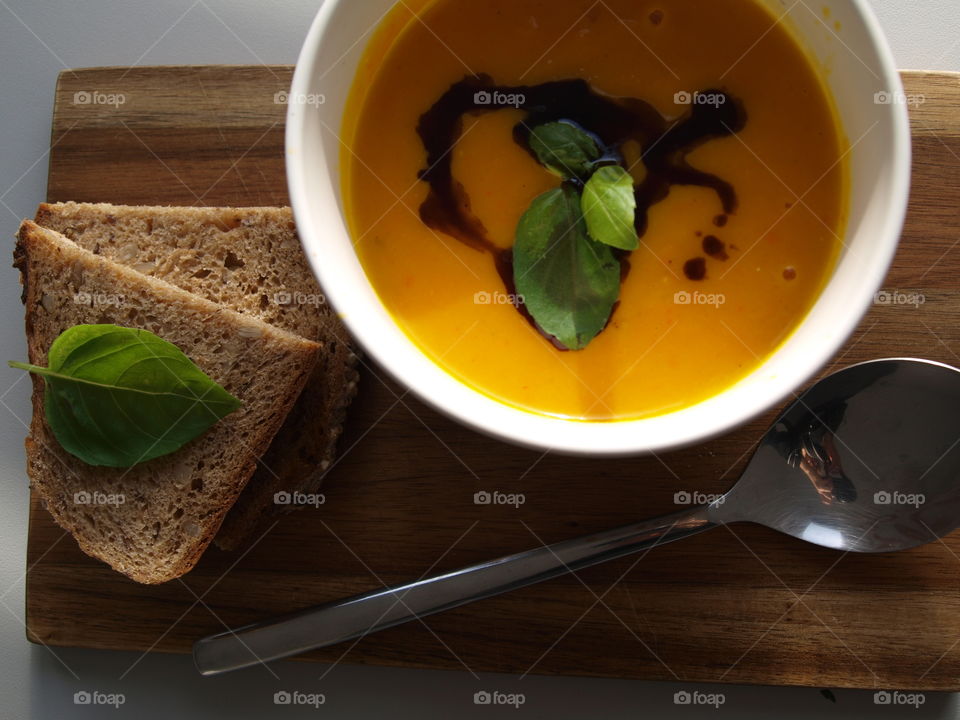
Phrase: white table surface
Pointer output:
(38, 38)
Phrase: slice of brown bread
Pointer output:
(173, 505)
(249, 260)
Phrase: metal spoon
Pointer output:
(866, 460)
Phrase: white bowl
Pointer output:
(861, 66)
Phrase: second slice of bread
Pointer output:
(172, 506)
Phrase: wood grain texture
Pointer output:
(742, 604)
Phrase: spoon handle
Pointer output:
(369, 612)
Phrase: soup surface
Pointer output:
(724, 271)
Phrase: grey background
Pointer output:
(38, 38)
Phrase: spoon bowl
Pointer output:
(867, 460)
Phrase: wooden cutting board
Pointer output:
(743, 604)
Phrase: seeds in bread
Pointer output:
(171, 506)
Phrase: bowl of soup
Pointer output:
(599, 227)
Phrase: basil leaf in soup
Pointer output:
(564, 149)
(569, 283)
(609, 206)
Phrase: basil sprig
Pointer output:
(116, 396)
(564, 266)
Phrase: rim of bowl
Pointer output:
(374, 328)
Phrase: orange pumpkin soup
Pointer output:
(738, 178)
